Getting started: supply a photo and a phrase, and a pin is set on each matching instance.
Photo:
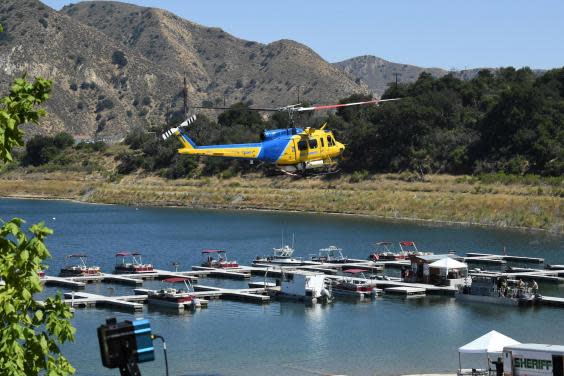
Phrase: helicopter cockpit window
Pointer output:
(322, 142)
(330, 141)
(313, 144)
(302, 145)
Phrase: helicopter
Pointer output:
(294, 151)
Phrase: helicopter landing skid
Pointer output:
(309, 173)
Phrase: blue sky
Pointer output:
(431, 33)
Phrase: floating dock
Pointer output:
(552, 301)
(520, 259)
(405, 292)
(260, 293)
(230, 273)
(130, 303)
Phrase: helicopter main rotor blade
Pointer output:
(242, 109)
(328, 107)
(297, 108)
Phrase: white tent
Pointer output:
(490, 343)
(448, 263)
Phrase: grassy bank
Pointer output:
(439, 198)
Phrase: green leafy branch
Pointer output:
(30, 330)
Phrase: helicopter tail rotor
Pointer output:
(176, 130)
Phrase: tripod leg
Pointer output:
(130, 369)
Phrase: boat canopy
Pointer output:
(77, 256)
(490, 343)
(354, 271)
(176, 279)
(136, 254)
(448, 263)
(212, 251)
(384, 243)
(123, 254)
(407, 243)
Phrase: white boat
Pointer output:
(494, 289)
(384, 251)
(331, 255)
(220, 261)
(173, 298)
(131, 263)
(80, 269)
(281, 256)
(355, 283)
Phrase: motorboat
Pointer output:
(355, 283)
(131, 263)
(80, 269)
(281, 256)
(215, 258)
(384, 251)
(496, 289)
(174, 298)
(331, 254)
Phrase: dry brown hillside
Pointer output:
(92, 96)
(219, 65)
(117, 66)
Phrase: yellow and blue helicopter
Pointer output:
(292, 150)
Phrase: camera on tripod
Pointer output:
(125, 344)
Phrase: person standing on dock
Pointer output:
(521, 284)
(534, 287)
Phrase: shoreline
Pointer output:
(269, 210)
(441, 200)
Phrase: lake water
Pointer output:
(383, 337)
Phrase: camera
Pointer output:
(124, 344)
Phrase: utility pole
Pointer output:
(185, 98)
(396, 74)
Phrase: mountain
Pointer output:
(117, 66)
(95, 93)
(378, 73)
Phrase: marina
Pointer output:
(319, 334)
(351, 282)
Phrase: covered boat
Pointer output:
(331, 254)
(131, 263)
(174, 298)
(215, 258)
(385, 251)
(281, 256)
(79, 269)
(355, 283)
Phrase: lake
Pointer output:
(384, 336)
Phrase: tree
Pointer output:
(118, 58)
(20, 107)
(30, 331)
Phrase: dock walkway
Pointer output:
(129, 303)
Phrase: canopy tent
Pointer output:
(492, 342)
(448, 263)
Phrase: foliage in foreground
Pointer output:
(30, 331)
(20, 107)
